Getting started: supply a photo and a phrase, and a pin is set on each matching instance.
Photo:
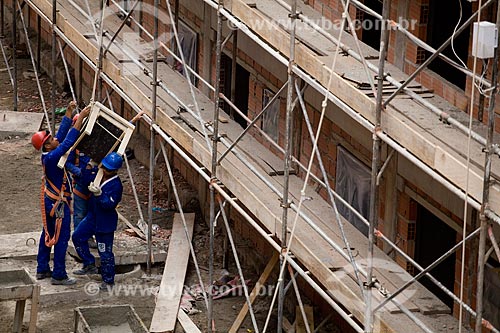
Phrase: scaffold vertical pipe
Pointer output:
(54, 58)
(234, 52)
(486, 189)
(154, 84)
(2, 19)
(287, 162)
(14, 54)
(101, 56)
(38, 42)
(374, 190)
(213, 176)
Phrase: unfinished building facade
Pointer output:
(355, 138)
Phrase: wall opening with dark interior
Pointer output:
(241, 91)
(433, 239)
(371, 26)
(443, 18)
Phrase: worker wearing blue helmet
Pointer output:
(101, 221)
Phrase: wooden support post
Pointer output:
(390, 212)
(35, 297)
(255, 291)
(207, 47)
(300, 326)
(172, 282)
(18, 316)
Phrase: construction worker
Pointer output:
(55, 197)
(83, 171)
(101, 221)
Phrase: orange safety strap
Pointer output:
(60, 198)
(80, 194)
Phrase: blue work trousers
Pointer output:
(61, 246)
(83, 232)
(80, 208)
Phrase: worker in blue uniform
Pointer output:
(83, 171)
(101, 221)
(55, 197)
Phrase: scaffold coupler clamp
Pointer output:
(371, 284)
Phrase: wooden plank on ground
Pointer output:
(172, 282)
(255, 291)
(186, 322)
(131, 226)
(300, 325)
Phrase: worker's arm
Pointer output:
(70, 138)
(111, 196)
(71, 167)
(66, 122)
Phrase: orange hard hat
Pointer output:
(75, 118)
(39, 138)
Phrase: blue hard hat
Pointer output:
(112, 161)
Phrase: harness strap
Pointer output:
(57, 209)
(80, 194)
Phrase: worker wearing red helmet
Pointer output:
(56, 197)
(101, 221)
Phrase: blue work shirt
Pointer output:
(67, 137)
(102, 208)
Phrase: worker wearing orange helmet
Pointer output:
(55, 197)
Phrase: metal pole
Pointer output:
(486, 187)
(285, 204)
(215, 140)
(38, 42)
(238, 265)
(2, 18)
(54, 59)
(374, 188)
(14, 53)
(152, 133)
(101, 55)
(234, 52)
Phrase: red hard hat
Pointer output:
(39, 138)
(75, 118)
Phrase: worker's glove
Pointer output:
(96, 190)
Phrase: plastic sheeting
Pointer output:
(353, 180)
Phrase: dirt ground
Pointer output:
(19, 207)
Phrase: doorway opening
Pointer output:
(433, 239)
(241, 91)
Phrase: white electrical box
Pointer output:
(484, 40)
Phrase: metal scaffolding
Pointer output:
(220, 196)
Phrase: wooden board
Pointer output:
(172, 282)
(300, 325)
(255, 291)
(186, 323)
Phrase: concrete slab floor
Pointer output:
(19, 123)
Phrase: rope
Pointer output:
(6, 62)
(99, 63)
(28, 43)
(464, 227)
(308, 172)
(67, 71)
(186, 74)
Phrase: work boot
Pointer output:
(106, 286)
(43, 275)
(87, 270)
(64, 282)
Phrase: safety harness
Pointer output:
(60, 198)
